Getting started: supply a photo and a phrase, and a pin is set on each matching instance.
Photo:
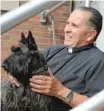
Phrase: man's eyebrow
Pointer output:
(76, 24)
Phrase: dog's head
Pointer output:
(25, 60)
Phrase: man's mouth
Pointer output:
(68, 36)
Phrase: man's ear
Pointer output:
(92, 35)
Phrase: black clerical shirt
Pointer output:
(82, 70)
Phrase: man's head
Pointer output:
(83, 26)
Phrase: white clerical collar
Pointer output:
(78, 49)
(70, 49)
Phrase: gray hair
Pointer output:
(95, 20)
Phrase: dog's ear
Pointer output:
(30, 34)
(22, 35)
(31, 41)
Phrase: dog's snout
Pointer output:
(5, 66)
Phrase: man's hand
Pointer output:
(13, 81)
(48, 85)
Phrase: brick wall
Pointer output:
(42, 34)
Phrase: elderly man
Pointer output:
(77, 67)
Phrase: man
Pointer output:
(77, 67)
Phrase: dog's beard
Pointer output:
(23, 99)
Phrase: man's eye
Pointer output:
(74, 25)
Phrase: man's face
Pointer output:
(77, 30)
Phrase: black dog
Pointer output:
(25, 62)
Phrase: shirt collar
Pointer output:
(70, 49)
(78, 49)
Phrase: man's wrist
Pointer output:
(69, 97)
(64, 93)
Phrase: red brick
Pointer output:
(14, 31)
(32, 22)
(15, 37)
(50, 41)
(46, 35)
(44, 46)
(63, 9)
(3, 53)
(5, 36)
(24, 27)
(42, 29)
(59, 41)
(62, 25)
(4, 75)
(3, 57)
(59, 36)
(36, 17)
(60, 31)
(63, 14)
(56, 25)
(4, 48)
(35, 34)
(41, 40)
(56, 13)
(4, 78)
(9, 42)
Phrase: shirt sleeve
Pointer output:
(95, 78)
(46, 52)
(51, 51)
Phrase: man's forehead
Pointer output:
(79, 16)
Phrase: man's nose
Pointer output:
(67, 29)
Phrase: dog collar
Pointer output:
(44, 68)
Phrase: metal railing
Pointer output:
(23, 13)
(44, 19)
(93, 104)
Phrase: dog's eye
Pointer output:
(15, 49)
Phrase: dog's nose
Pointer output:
(5, 66)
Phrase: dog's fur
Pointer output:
(25, 62)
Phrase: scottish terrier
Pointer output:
(25, 62)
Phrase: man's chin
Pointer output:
(68, 44)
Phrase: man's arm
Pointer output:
(52, 87)
(76, 99)
(49, 85)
